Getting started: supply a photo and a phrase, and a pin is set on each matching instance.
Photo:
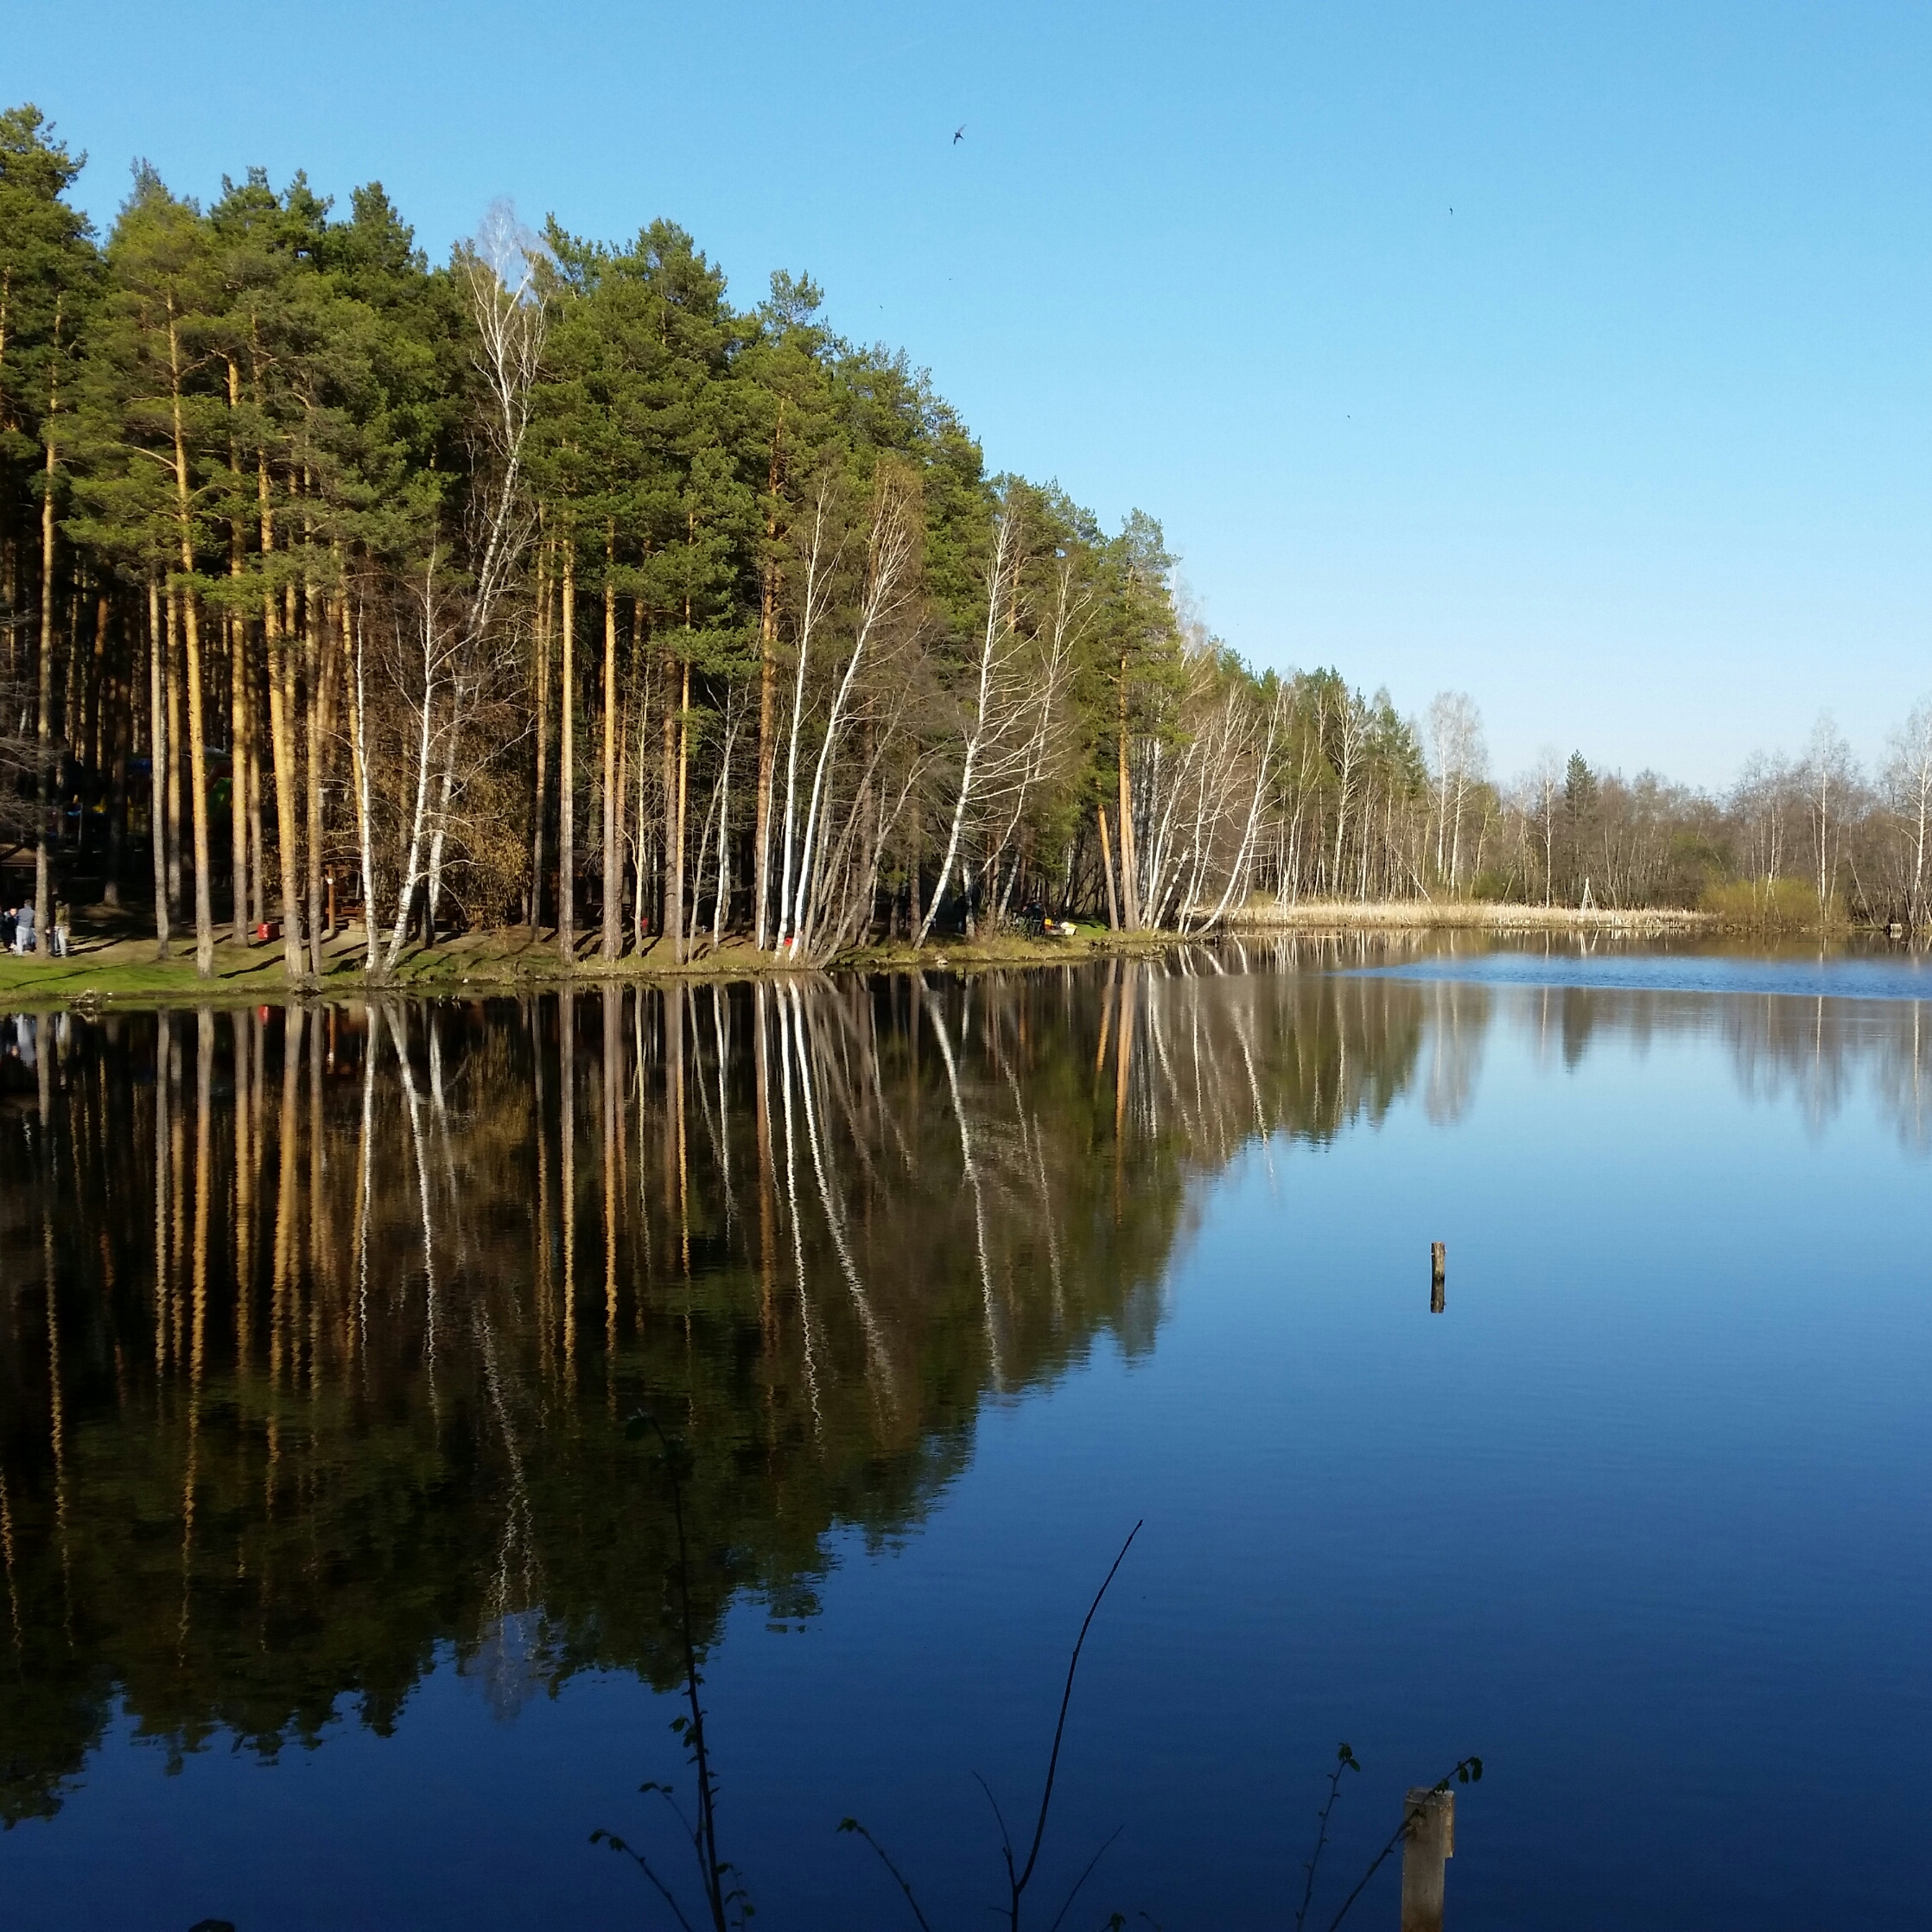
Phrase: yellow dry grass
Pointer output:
(1472, 915)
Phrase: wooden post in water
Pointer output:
(1428, 1844)
(1438, 1276)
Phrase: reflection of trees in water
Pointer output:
(1374, 1029)
(1902, 1078)
(1457, 1022)
(1814, 1052)
(1810, 1053)
(351, 1306)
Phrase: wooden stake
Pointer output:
(1439, 1274)
(1429, 1844)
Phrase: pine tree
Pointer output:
(157, 415)
(48, 267)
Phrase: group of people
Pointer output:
(18, 933)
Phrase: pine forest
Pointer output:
(549, 588)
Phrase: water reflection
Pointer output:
(1813, 1054)
(348, 1306)
(321, 1327)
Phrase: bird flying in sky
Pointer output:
(959, 133)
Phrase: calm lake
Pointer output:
(339, 1591)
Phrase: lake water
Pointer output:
(339, 1591)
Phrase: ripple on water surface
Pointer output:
(1893, 976)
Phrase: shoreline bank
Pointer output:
(107, 970)
(125, 971)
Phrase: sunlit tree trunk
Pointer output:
(613, 866)
(158, 754)
(318, 662)
(239, 688)
(673, 921)
(543, 738)
(889, 561)
(439, 836)
(43, 786)
(767, 756)
(358, 745)
(566, 765)
(1107, 869)
(425, 744)
(282, 745)
(817, 592)
(197, 746)
(722, 908)
(981, 730)
(1130, 884)
(172, 675)
(258, 845)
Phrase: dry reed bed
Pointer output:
(1348, 915)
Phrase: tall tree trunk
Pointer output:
(258, 845)
(613, 868)
(670, 912)
(721, 907)
(359, 759)
(674, 923)
(284, 703)
(314, 674)
(238, 691)
(623, 730)
(361, 779)
(197, 776)
(44, 788)
(543, 738)
(191, 637)
(275, 652)
(425, 746)
(566, 765)
(1130, 882)
(174, 680)
(91, 734)
(772, 580)
(1107, 869)
(121, 726)
(767, 752)
(158, 751)
(638, 909)
(432, 899)
(237, 763)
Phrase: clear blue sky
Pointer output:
(1633, 446)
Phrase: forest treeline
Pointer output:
(549, 588)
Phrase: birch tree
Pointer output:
(994, 701)
(1908, 782)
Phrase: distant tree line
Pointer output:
(1795, 840)
(549, 588)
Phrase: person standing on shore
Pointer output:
(23, 927)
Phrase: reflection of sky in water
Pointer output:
(1894, 977)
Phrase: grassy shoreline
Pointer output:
(106, 970)
(114, 963)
